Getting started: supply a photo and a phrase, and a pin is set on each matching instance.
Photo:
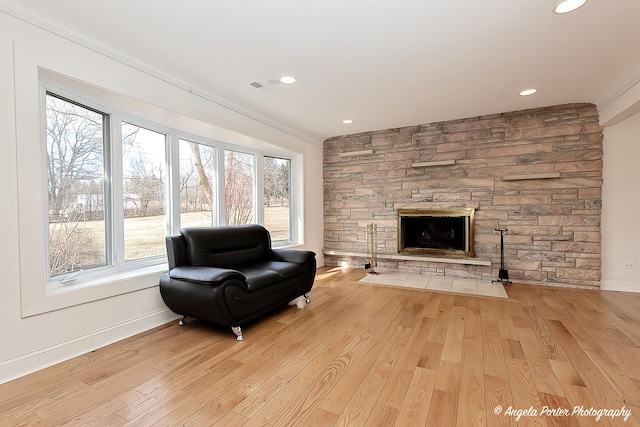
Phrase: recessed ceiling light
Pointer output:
(288, 80)
(568, 6)
(347, 121)
(528, 92)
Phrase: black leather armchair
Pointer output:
(230, 275)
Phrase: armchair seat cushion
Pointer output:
(284, 269)
(205, 275)
(258, 278)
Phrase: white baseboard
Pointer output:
(43, 358)
(615, 285)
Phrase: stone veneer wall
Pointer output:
(554, 224)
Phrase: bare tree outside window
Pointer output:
(197, 189)
(238, 174)
(197, 183)
(76, 195)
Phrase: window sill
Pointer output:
(67, 295)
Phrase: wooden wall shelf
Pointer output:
(355, 153)
(431, 164)
(552, 175)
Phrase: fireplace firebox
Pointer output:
(436, 231)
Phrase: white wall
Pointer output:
(30, 343)
(620, 206)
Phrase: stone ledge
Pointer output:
(404, 257)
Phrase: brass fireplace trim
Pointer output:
(457, 212)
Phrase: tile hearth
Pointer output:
(461, 285)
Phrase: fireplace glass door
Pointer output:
(431, 231)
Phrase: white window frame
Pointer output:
(118, 189)
(110, 268)
(114, 218)
(292, 205)
(38, 293)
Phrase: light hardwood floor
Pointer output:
(360, 355)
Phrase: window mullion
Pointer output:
(108, 188)
(221, 217)
(173, 184)
(258, 189)
(117, 191)
(295, 199)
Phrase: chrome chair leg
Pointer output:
(307, 299)
(238, 331)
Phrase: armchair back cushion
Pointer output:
(233, 246)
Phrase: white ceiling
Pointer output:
(384, 64)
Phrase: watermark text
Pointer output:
(576, 411)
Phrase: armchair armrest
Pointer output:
(291, 255)
(205, 275)
(176, 251)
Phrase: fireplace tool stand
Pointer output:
(503, 274)
(372, 243)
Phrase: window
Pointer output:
(198, 172)
(277, 199)
(143, 183)
(239, 187)
(82, 235)
(76, 141)
(117, 185)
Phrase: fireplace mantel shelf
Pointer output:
(407, 257)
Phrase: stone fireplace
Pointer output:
(536, 172)
(436, 231)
